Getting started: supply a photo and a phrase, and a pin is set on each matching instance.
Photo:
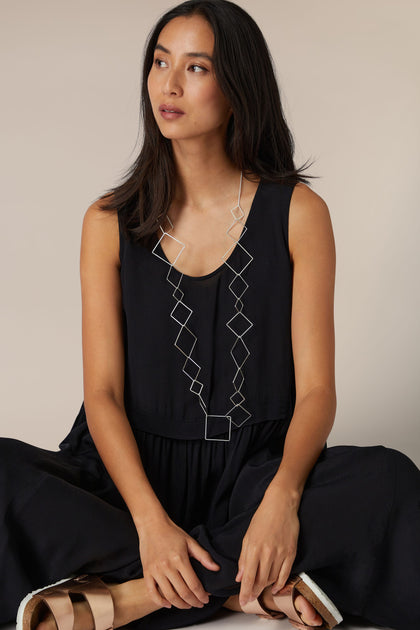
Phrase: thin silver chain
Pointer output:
(239, 324)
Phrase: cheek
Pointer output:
(213, 101)
(151, 88)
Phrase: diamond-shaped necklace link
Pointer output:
(239, 324)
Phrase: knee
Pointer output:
(8, 447)
(400, 462)
(13, 455)
(404, 472)
(7, 462)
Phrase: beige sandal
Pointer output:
(56, 597)
(300, 584)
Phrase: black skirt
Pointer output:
(359, 539)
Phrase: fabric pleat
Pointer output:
(359, 520)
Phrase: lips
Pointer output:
(170, 108)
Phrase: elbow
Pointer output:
(321, 395)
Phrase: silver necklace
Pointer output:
(239, 324)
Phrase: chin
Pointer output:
(174, 134)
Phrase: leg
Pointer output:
(345, 511)
(54, 526)
(394, 599)
(62, 519)
(360, 534)
(131, 601)
(359, 539)
(310, 616)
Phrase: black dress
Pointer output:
(209, 393)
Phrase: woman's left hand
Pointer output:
(269, 546)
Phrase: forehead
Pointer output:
(183, 34)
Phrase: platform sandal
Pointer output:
(300, 584)
(56, 598)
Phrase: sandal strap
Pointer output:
(253, 607)
(95, 592)
(285, 600)
(268, 613)
(257, 607)
(99, 599)
(61, 608)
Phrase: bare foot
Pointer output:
(309, 614)
(131, 601)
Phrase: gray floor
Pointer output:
(229, 620)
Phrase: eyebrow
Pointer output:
(187, 54)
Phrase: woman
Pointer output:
(208, 356)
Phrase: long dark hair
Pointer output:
(258, 140)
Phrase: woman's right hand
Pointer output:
(165, 549)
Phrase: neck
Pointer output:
(205, 175)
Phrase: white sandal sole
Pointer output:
(28, 597)
(323, 597)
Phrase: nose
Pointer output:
(172, 83)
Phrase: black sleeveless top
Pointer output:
(208, 355)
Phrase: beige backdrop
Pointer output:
(348, 73)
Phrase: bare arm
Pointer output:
(312, 248)
(103, 365)
(270, 543)
(165, 548)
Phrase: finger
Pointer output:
(248, 578)
(240, 568)
(201, 554)
(171, 593)
(239, 575)
(274, 573)
(182, 588)
(283, 575)
(194, 584)
(153, 590)
(262, 576)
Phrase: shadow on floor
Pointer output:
(229, 620)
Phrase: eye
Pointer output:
(158, 61)
(197, 66)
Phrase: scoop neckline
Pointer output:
(224, 264)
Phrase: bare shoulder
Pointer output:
(310, 225)
(100, 233)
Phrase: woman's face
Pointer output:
(186, 81)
